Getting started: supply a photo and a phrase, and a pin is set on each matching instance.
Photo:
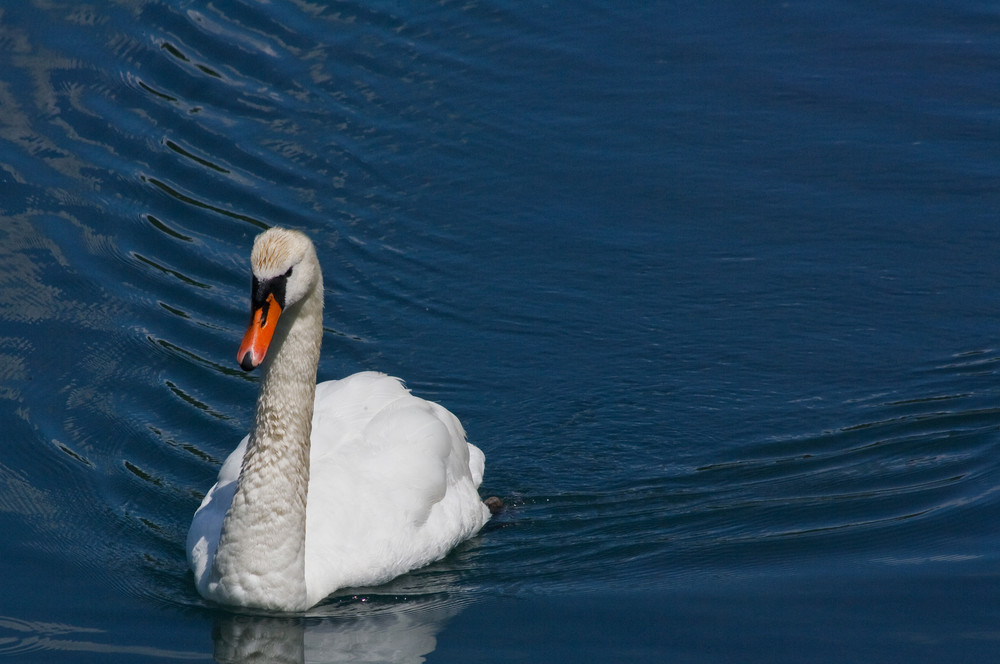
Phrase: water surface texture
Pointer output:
(713, 285)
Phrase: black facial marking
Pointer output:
(260, 289)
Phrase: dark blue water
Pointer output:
(714, 286)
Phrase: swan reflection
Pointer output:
(359, 628)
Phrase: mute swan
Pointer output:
(346, 483)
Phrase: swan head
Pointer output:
(285, 270)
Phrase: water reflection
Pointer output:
(358, 629)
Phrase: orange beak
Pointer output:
(263, 321)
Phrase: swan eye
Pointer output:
(289, 273)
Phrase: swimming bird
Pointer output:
(347, 483)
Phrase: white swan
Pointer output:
(369, 483)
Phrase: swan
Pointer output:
(347, 483)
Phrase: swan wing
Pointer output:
(206, 526)
(391, 486)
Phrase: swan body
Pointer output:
(347, 483)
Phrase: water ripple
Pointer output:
(23, 637)
(862, 495)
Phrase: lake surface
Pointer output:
(713, 285)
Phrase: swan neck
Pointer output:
(262, 544)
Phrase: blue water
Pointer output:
(713, 285)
